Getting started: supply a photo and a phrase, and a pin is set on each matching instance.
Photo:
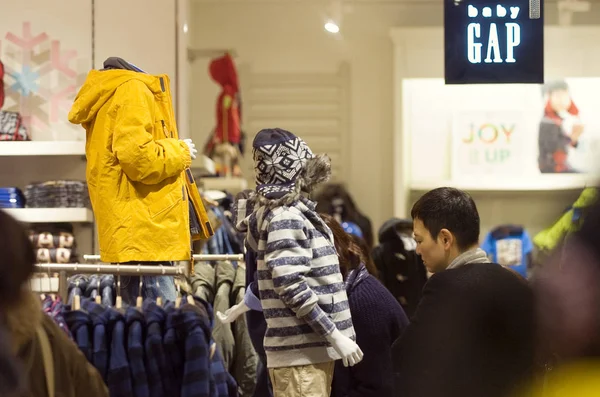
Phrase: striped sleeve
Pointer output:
(287, 256)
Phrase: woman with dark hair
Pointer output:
(50, 364)
(377, 317)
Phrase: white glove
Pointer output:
(233, 313)
(192, 147)
(346, 347)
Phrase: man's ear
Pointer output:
(446, 238)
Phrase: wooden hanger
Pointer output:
(139, 301)
(178, 299)
(119, 300)
(77, 302)
(98, 299)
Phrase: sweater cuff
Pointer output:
(251, 300)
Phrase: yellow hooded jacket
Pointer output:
(135, 164)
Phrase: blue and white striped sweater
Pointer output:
(300, 285)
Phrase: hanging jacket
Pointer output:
(80, 324)
(222, 333)
(156, 360)
(135, 164)
(196, 368)
(245, 359)
(135, 351)
(203, 281)
(228, 129)
(74, 376)
(172, 379)
(509, 246)
(225, 385)
(119, 377)
(400, 268)
(55, 309)
(100, 316)
(569, 222)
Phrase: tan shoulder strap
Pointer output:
(48, 360)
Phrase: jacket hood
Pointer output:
(223, 72)
(99, 88)
(389, 230)
(23, 319)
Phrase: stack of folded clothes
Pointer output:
(57, 194)
(54, 243)
(11, 197)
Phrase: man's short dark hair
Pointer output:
(452, 209)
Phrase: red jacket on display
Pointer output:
(1, 84)
(224, 73)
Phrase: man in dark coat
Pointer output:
(472, 333)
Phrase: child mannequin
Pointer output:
(299, 281)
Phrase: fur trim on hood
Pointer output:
(22, 319)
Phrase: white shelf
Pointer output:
(232, 185)
(51, 215)
(42, 148)
(541, 183)
(204, 163)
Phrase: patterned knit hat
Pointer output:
(279, 159)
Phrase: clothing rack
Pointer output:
(197, 258)
(66, 269)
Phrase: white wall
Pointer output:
(289, 37)
(418, 53)
(142, 31)
(272, 36)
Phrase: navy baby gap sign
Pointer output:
(498, 41)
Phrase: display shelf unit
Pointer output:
(543, 183)
(51, 215)
(42, 148)
(231, 185)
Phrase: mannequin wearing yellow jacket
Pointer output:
(135, 164)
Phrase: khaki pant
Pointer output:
(302, 381)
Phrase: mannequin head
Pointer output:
(445, 224)
(18, 259)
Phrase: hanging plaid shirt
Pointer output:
(54, 308)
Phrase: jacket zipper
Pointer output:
(167, 133)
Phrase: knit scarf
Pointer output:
(476, 255)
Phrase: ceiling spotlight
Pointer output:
(332, 27)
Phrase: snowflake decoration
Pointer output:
(40, 80)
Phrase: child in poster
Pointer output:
(560, 129)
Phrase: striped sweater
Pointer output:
(300, 285)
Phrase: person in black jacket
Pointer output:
(472, 334)
(400, 269)
(333, 199)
